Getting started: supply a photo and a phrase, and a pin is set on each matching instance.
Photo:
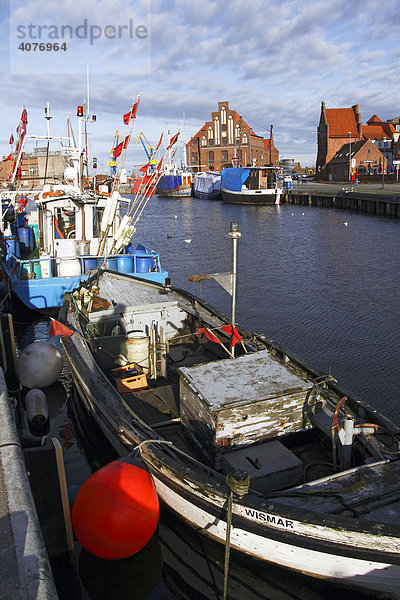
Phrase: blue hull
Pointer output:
(46, 292)
(208, 195)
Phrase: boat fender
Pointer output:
(39, 365)
(115, 512)
(36, 408)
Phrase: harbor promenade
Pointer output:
(369, 198)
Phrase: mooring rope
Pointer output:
(238, 483)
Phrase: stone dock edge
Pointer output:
(25, 572)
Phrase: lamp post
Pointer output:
(349, 132)
(383, 163)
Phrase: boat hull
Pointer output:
(316, 528)
(208, 195)
(258, 197)
(183, 191)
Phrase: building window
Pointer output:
(203, 141)
(244, 139)
(223, 126)
(210, 136)
(224, 156)
(237, 131)
(216, 131)
(211, 156)
(224, 141)
(195, 158)
(230, 129)
(223, 116)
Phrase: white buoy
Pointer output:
(39, 365)
(36, 407)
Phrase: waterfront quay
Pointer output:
(366, 198)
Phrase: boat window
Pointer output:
(64, 223)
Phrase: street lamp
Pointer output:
(349, 132)
(383, 164)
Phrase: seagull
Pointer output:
(345, 223)
(176, 216)
(169, 236)
(188, 241)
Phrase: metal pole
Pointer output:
(235, 235)
(383, 164)
(349, 132)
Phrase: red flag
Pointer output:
(11, 139)
(231, 329)
(173, 141)
(209, 335)
(57, 328)
(132, 113)
(9, 157)
(158, 167)
(145, 167)
(159, 142)
(118, 149)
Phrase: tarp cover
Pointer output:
(207, 182)
(169, 182)
(233, 179)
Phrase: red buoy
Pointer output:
(115, 512)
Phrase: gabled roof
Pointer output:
(340, 121)
(378, 130)
(342, 155)
(374, 119)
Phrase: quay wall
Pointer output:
(387, 204)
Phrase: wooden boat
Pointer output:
(250, 185)
(256, 451)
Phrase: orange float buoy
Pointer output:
(115, 512)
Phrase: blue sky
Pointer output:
(274, 61)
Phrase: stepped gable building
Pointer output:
(227, 140)
(337, 126)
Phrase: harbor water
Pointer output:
(323, 284)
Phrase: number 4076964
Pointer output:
(42, 47)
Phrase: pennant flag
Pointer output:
(9, 157)
(231, 330)
(11, 139)
(209, 335)
(173, 141)
(158, 167)
(145, 167)
(132, 113)
(118, 149)
(159, 142)
(57, 328)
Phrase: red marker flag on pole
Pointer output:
(209, 335)
(158, 167)
(9, 157)
(118, 149)
(173, 141)
(57, 328)
(231, 330)
(159, 142)
(11, 139)
(132, 113)
(145, 167)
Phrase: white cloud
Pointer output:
(273, 61)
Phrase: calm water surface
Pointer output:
(321, 283)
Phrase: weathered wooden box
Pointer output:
(234, 403)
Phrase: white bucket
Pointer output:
(68, 267)
(137, 349)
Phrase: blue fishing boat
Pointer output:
(52, 238)
(207, 185)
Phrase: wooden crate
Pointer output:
(130, 377)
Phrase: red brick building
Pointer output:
(227, 140)
(337, 126)
(361, 157)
